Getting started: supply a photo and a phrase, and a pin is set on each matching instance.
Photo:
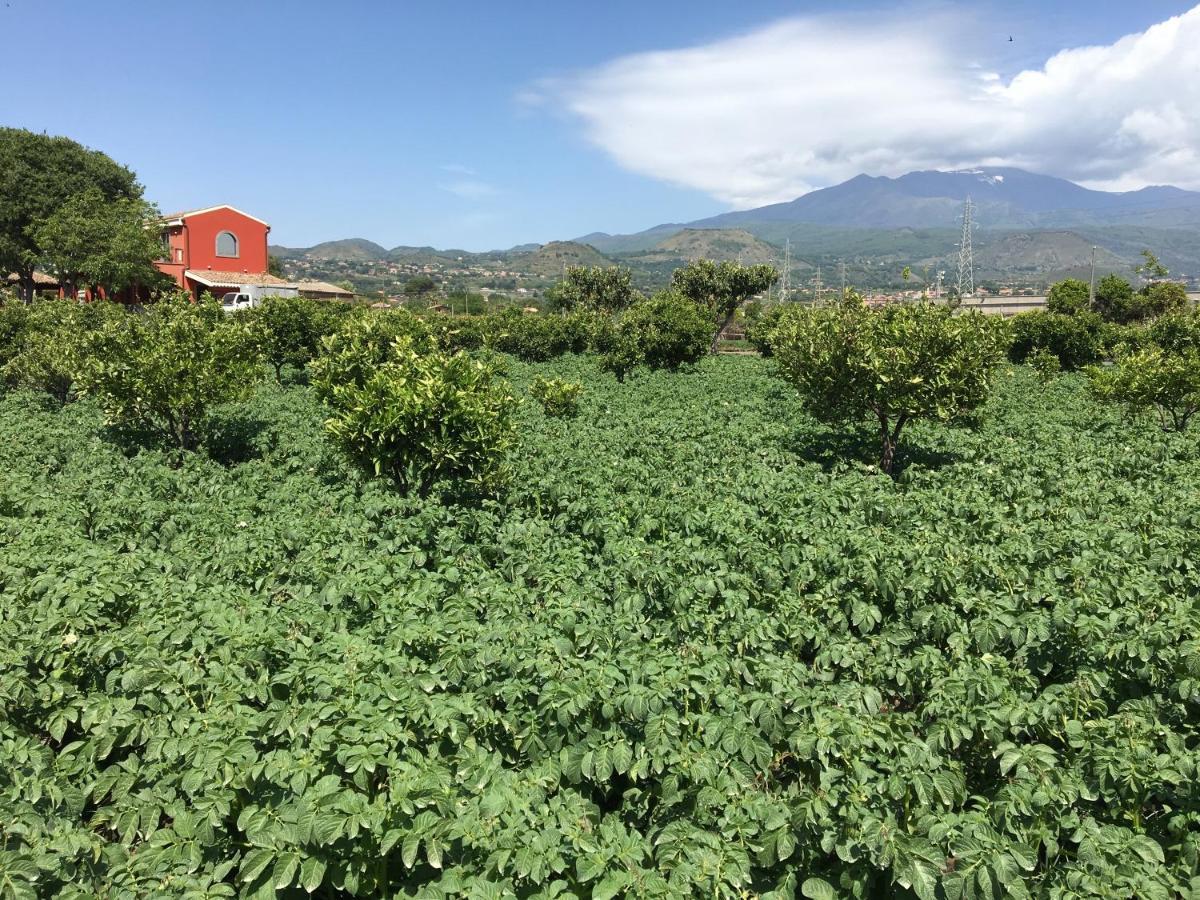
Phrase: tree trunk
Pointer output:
(891, 440)
(717, 337)
(25, 286)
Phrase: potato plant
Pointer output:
(678, 658)
(559, 398)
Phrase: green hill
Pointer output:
(718, 244)
(550, 259)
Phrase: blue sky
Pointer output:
(483, 125)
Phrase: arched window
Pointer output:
(227, 244)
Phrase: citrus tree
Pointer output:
(289, 330)
(599, 288)
(1068, 296)
(422, 416)
(896, 365)
(164, 369)
(721, 287)
(664, 332)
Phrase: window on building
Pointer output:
(227, 244)
(178, 254)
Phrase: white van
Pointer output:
(247, 296)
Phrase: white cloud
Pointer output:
(807, 102)
(469, 189)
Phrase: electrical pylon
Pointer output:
(966, 256)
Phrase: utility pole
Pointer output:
(1092, 284)
(787, 271)
(966, 256)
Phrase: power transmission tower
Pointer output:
(842, 265)
(966, 256)
(818, 286)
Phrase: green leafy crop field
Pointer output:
(692, 651)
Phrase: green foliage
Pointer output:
(363, 343)
(558, 397)
(162, 370)
(44, 344)
(664, 332)
(535, 337)
(1117, 302)
(896, 364)
(759, 332)
(39, 174)
(721, 287)
(1159, 298)
(691, 653)
(1115, 299)
(1068, 297)
(1177, 332)
(1045, 364)
(419, 284)
(1077, 340)
(95, 242)
(289, 330)
(596, 288)
(422, 416)
(1167, 382)
(1150, 266)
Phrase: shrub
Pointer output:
(454, 333)
(1076, 340)
(1177, 332)
(1153, 378)
(1158, 298)
(46, 346)
(1068, 297)
(528, 336)
(597, 288)
(896, 364)
(423, 416)
(14, 319)
(163, 370)
(1117, 302)
(364, 342)
(1044, 364)
(289, 330)
(559, 398)
(664, 332)
(758, 332)
(1114, 299)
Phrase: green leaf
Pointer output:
(818, 889)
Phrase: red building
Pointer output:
(215, 249)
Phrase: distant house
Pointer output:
(216, 249)
(43, 285)
(323, 290)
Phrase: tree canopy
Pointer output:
(599, 288)
(722, 287)
(39, 174)
(1068, 296)
(91, 241)
(895, 364)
